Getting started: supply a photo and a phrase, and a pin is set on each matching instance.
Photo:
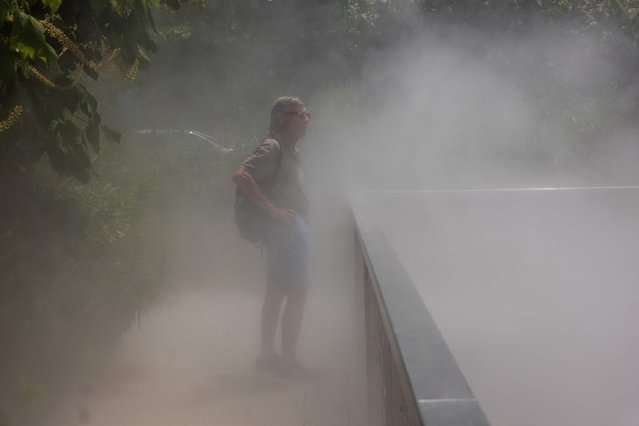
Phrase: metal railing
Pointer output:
(412, 376)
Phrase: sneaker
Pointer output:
(268, 364)
(296, 373)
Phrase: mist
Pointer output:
(538, 315)
(426, 107)
(468, 111)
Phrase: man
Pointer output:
(271, 177)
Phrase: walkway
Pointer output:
(190, 362)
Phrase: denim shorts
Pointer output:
(287, 254)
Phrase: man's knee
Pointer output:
(296, 297)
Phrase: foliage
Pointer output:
(46, 46)
(256, 50)
(245, 52)
(77, 263)
(596, 17)
(301, 46)
(82, 262)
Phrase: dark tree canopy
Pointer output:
(46, 48)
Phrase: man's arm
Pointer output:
(250, 188)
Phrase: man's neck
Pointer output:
(284, 137)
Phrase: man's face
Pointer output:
(295, 121)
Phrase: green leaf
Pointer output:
(27, 37)
(151, 20)
(79, 165)
(69, 133)
(6, 8)
(68, 99)
(7, 67)
(53, 5)
(91, 73)
(121, 7)
(93, 135)
(80, 157)
(111, 135)
(89, 99)
(98, 5)
(143, 58)
(56, 156)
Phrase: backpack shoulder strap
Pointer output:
(267, 183)
(279, 159)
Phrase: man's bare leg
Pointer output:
(270, 316)
(292, 323)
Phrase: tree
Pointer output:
(74, 261)
(46, 48)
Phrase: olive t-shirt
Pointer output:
(282, 183)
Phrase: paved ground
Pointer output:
(190, 362)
